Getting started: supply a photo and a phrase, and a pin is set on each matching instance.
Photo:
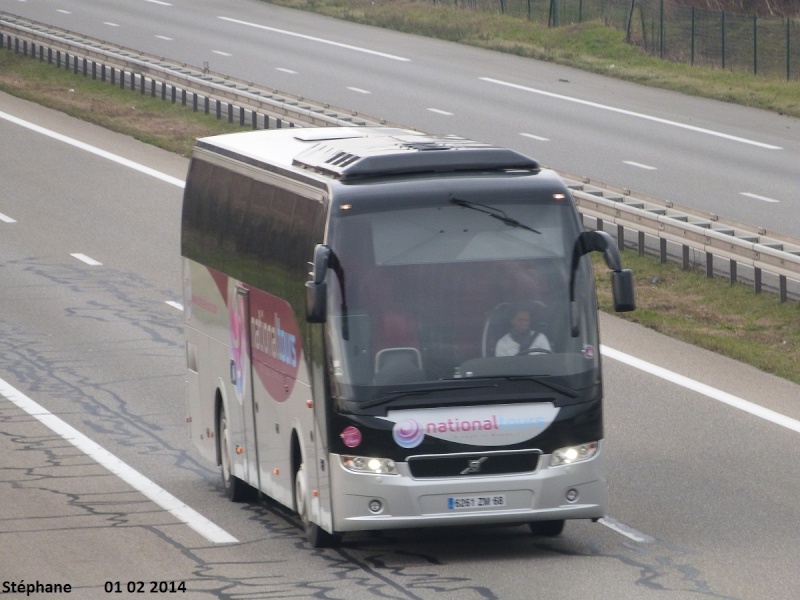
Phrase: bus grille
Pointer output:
(471, 465)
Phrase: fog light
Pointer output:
(375, 506)
(571, 495)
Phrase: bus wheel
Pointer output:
(236, 489)
(547, 528)
(316, 535)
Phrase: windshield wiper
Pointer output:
(395, 394)
(552, 386)
(493, 212)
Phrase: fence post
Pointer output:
(723, 40)
(788, 50)
(755, 45)
(693, 33)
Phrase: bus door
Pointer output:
(242, 378)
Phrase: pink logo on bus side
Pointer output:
(267, 333)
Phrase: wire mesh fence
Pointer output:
(764, 46)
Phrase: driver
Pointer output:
(522, 339)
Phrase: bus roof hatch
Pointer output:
(370, 156)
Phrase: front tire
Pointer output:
(235, 489)
(316, 535)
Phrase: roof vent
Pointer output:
(381, 155)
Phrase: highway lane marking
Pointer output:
(221, 53)
(359, 90)
(757, 197)
(110, 24)
(439, 111)
(87, 259)
(750, 407)
(316, 39)
(630, 113)
(159, 2)
(174, 304)
(286, 70)
(185, 514)
(6, 219)
(626, 530)
(165, 38)
(639, 165)
(94, 150)
(701, 388)
(535, 137)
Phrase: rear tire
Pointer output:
(235, 489)
(547, 528)
(316, 535)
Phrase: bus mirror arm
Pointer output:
(621, 279)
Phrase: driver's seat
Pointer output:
(498, 322)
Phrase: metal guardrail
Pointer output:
(671, 231)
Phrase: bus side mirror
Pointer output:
(622, 287)
(317, 288)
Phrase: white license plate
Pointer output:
(476, 502)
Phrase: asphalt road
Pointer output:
(101, 489)
(733, 161)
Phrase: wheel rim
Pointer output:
(300, 492)
(226, 459)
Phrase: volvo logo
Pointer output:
(474, 466)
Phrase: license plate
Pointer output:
(476, 502)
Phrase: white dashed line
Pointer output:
(289, 71)
(639, 165)
(359, 90)
(221, 53)
(88, 260)
(164, 37)
(535, 137)
(628, 532)
(757, 197)
(6, 219)
(174, 304)
(441, 112)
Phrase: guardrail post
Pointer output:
(153, 88)
(709, 265)
(621, 237)
(173, 91)
(194, 102)
(122, 79)
(641, 243)
(254, 119)
(757, 280)
(230, 112)
(685, 251)
(733, 271)
(782, 286)
(662, 250)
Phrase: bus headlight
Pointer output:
(573, 454)
(367, 464)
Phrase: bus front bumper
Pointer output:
(369, 502)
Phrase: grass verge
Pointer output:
(730, 320)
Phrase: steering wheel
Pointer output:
(536, 350)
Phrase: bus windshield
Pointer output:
(467, 296)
